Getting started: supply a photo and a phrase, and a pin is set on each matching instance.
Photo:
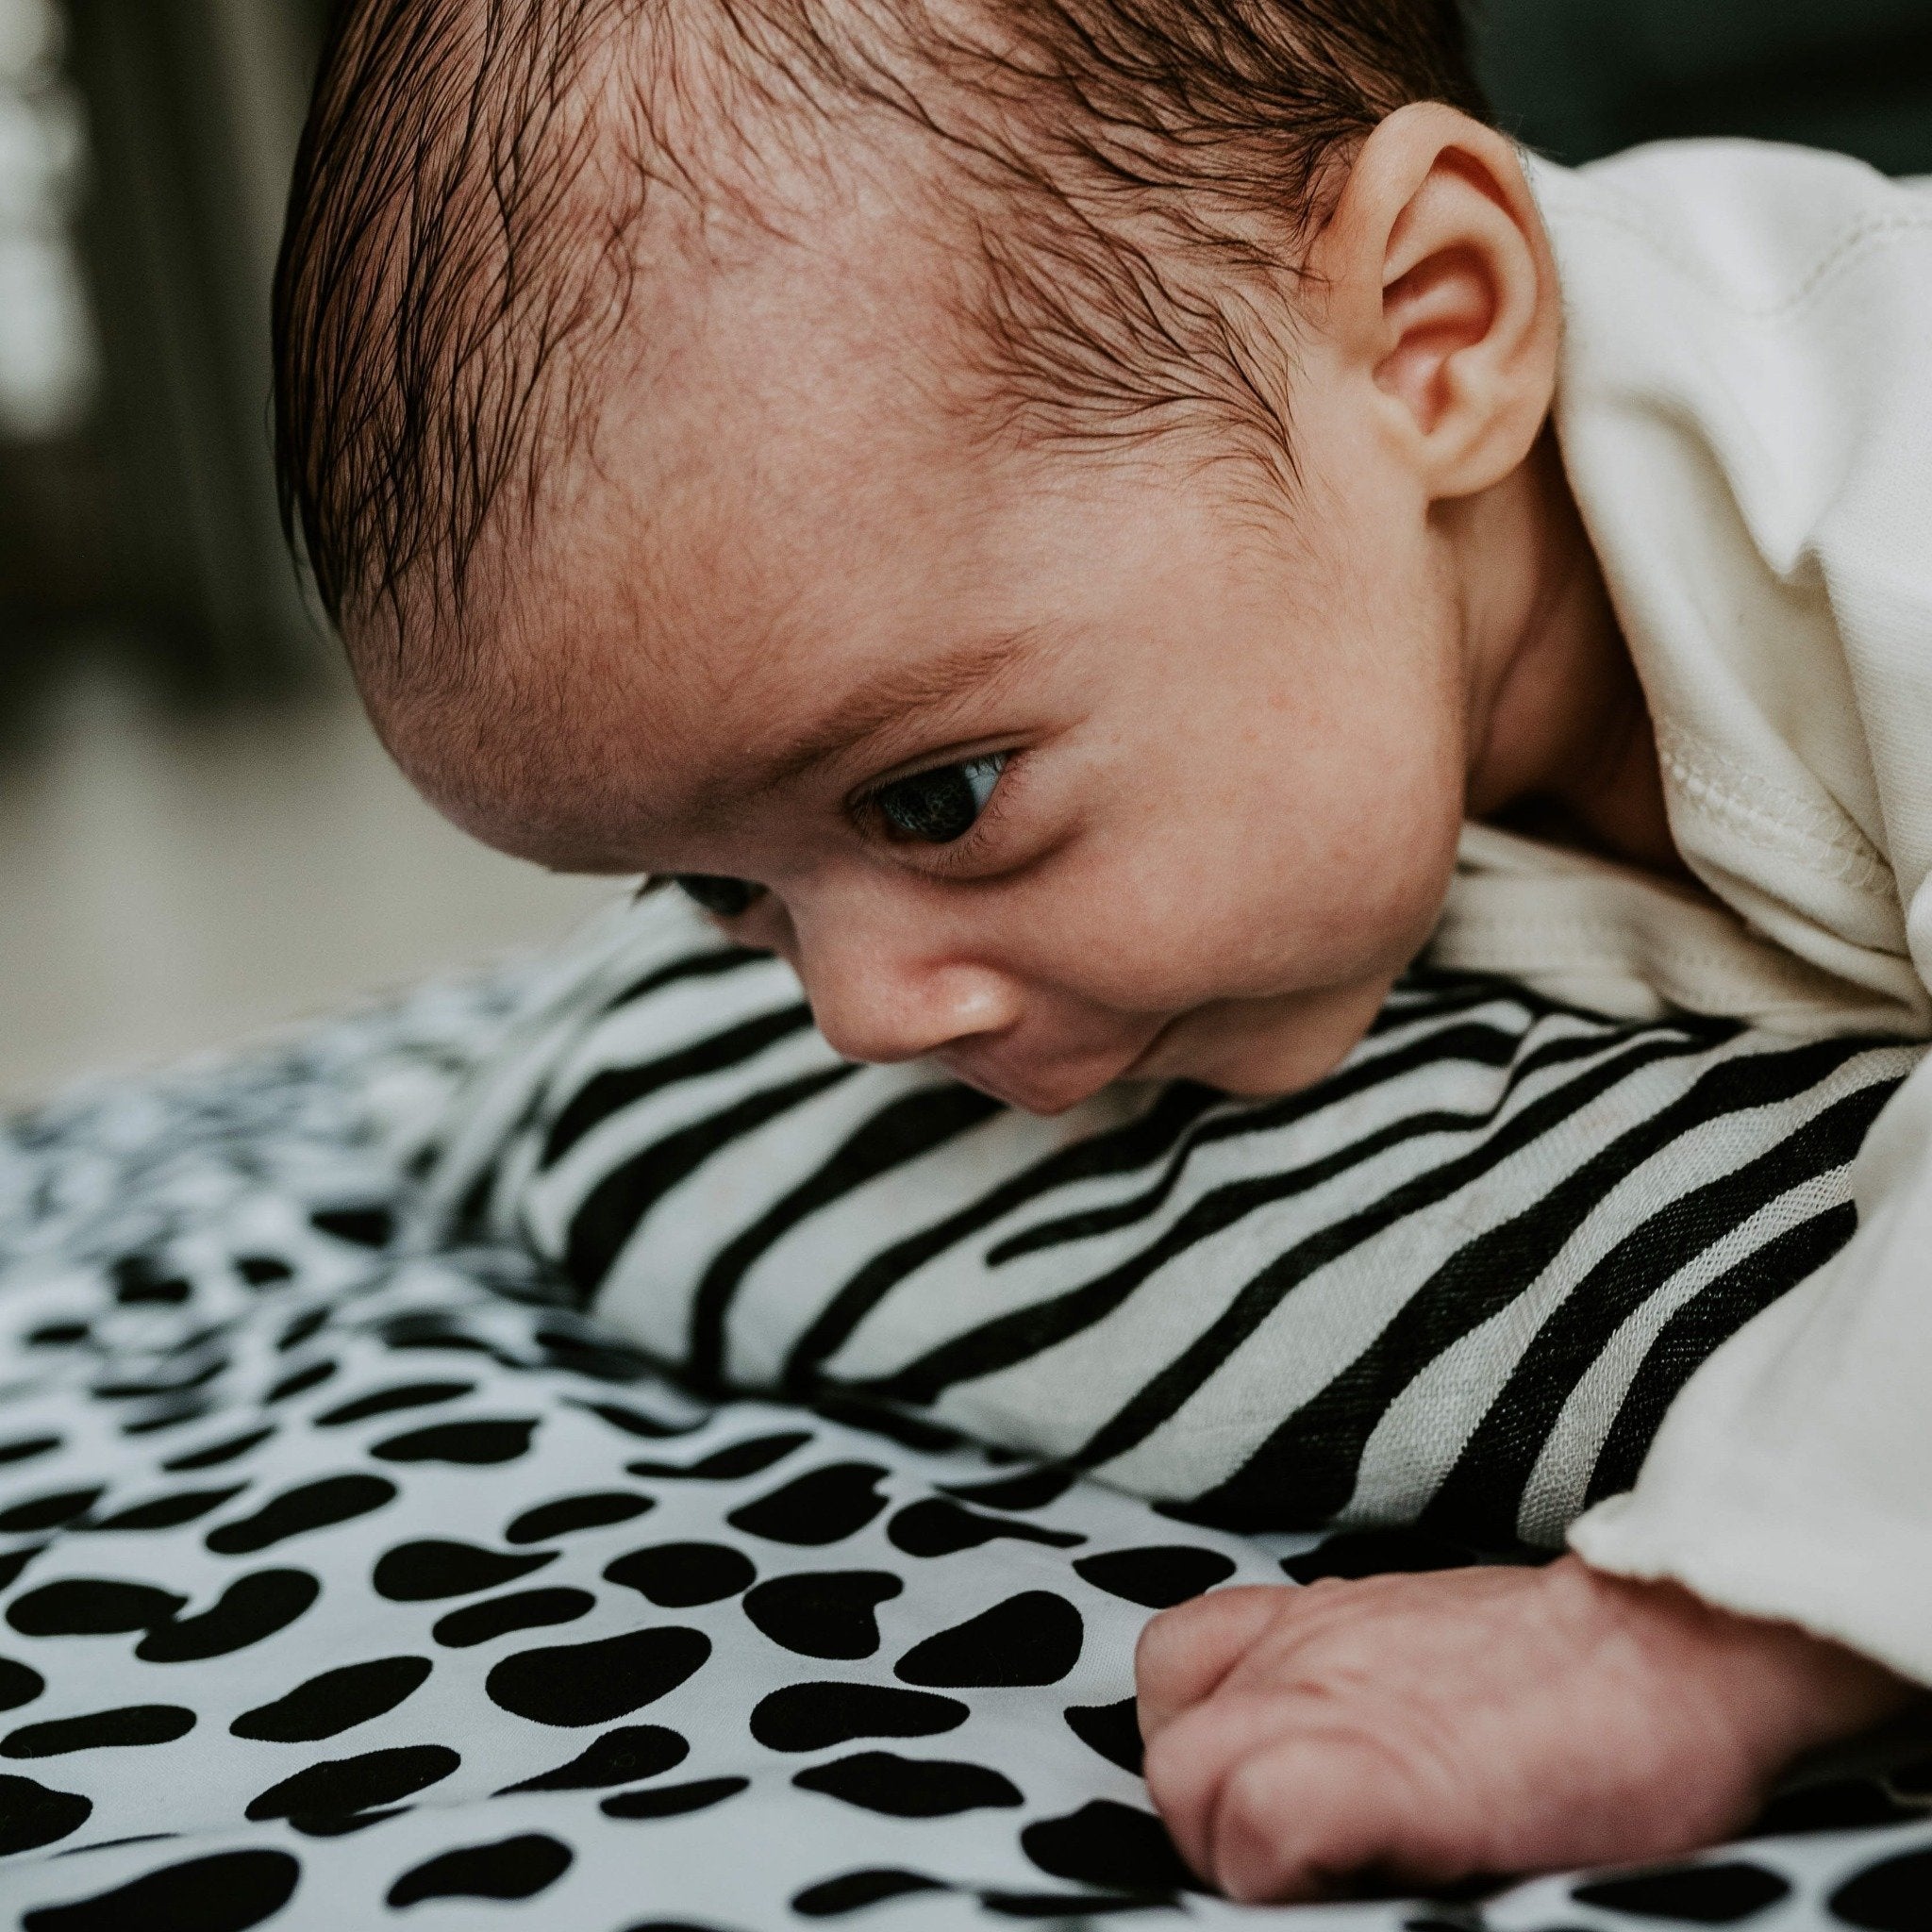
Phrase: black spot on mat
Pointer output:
(416, 1573)
(1912, 1779)
(356, 1783)
(387, 1401)
(139, 1278)
(367, 1227)
(618, 1757)
(936, 1527)
(416, 1331)
(219, 1452)
(300, 1381)
(808, 1716)
(1032, 1489)
(345, 1823)
(169, 1415)
(319, 1504)
(299, 1331)
(1715, 1895)
(18, 1684)
(230, 1891)
(57, 1335)
(634, 1423)
(251, 1608)
(676, 1575)
(853, 1892)
(1849, 1804)
(910, 1787)
(14, 1561)
(820, 1507)
(736, 1460)
(1075, 1904)
(168, 1512)
(825, 1613)
(1112, 1729)
(260, 1271)
(674, 1801)
(32, 1816)
(99, 1730)
(1159, 1576)
(519, 1867)
(91, 1606)
(1030, 1638)
(27, 1447)
(569, 1514)
(472, 1443)
(522, 1609)
(1887, 1897)
(1114, 1847)
(51, 1511)
(598, 1357)
(1373, 1552)
(335, 1701)
(591, 1683)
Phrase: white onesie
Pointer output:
(1745, 406)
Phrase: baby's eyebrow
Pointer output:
(886, 697)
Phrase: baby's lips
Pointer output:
(1049, 1091)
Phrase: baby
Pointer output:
(1050, 515)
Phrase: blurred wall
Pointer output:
(1579, 78)
(193, 111)
(153, 519)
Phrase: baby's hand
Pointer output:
(1416, 1730)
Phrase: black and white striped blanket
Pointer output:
(1456, 1282)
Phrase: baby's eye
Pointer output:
(940, 806)
(720, 897)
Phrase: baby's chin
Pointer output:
(1255, 1049)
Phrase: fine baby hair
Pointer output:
(492, 194)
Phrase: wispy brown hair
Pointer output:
(464, 223)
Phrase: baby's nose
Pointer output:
(883, 1009)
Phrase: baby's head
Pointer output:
(1004, 496)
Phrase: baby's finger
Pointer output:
(1185, 1652)
(1298, 1819)
(1194, 1756)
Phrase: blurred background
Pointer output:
(198, 835)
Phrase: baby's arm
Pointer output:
(1415, 1730)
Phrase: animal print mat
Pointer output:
(347, 1584)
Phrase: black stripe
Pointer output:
(617, 1087)
(1012, 1338)
(1448, 992)
(703, 965)
(1481, 1499)
(1695, 1332)
(469, 1213)
(1119, 1150)
(1467, 1046)
(900, 1133)
(609, 1213)
(1306, 1470)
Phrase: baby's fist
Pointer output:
(1416, 1730)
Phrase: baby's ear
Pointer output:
(1438, 285)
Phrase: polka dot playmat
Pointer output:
(349, 1584)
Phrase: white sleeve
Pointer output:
(1792, 1476)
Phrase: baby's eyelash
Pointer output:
(957, 855)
